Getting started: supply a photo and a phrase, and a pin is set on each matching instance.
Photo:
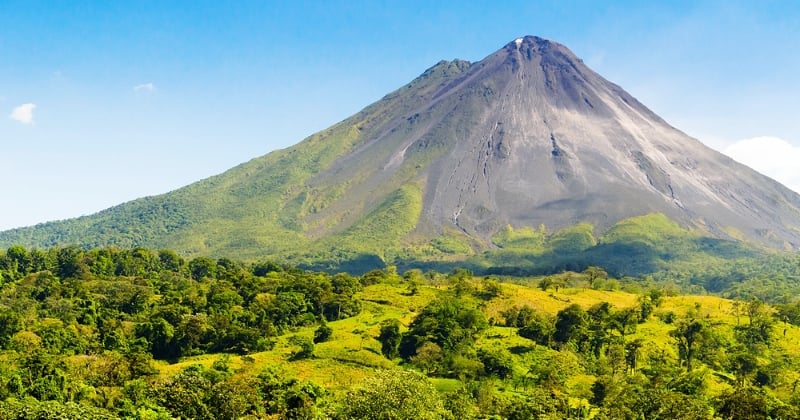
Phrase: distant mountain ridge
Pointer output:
(528, 136)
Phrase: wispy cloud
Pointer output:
(145, 87)
(23, 113)
(772, 156)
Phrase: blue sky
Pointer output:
(102, 102)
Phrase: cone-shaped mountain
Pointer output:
(528, 136)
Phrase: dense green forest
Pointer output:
(144, 334)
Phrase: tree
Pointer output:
(306, 347)
(450, 323)
(19, 260)
(646, 307)
(546, 283)
(615, 358)
(632, 353)
(202, 267)
(159, 334)
(223, 296)
(393, 395)
(143, 263)
(428, 357)
(625, 321)
(656, 296)
(688, 336)
(519, 316)
(601, 388)
(629, 401)
(789, 312)
(536, 404)
(758, 331)
(570, 324)
(743, 364)
(288, 309)
(539, 329)
(261, 269)
(192, 335)
(101, 262)
(593, 274)
(496, 363)
(45, 375)
(234, 398)
(414, 279)
(10, 324)
(323, 333)
(747, 402)
(345, 284)
(228, 269)
(187, 394)
(490, 288)
(170, 261)
(42, 261)
(390, 337)
(600, 314)
(287, 397)
(463, 365)
(69, 262)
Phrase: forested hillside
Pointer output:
(142, 334)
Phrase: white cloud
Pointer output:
(145, 87)
(772, 156)
(23, 113)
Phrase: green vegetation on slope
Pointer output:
(652, 229)
(388, 223)
(527, 238)
(649, 245)
(278, 204)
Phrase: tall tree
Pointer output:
(593, 274)
(390, 337)
(450, 323)
(393, 394)
(570, 324)
(688, 336)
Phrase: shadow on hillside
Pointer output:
(619, 259)
(357, 265)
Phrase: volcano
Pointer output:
(527, 137)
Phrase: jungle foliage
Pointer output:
(144, 334)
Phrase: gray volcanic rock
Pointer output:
(530, 136)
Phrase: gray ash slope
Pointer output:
(528, 136)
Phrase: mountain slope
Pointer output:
(528, 136)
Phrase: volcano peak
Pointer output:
(527, 136)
